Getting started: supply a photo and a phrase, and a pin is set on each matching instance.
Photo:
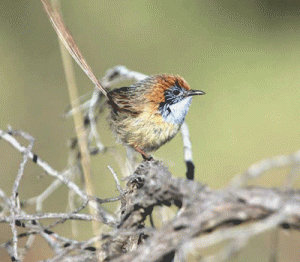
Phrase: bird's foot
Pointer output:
(144, 155)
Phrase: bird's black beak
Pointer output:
(195, 93)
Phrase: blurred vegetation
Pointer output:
(243, 54)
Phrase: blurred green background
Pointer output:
(244, 54)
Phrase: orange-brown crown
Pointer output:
(162, 83)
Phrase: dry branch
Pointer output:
(204, 218)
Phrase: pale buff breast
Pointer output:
(148, 131)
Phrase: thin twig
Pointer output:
(78, 118)
(116, 180)
(14, 210)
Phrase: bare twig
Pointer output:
(261, 167)
(15, 207)
(187, 151)
(116, 180)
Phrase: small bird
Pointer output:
(143, 116)
(150, 113)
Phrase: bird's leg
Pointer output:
(144, 155)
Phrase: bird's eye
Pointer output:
(176, 92)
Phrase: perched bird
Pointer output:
(149, 113)
(143, 116)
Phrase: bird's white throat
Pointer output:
(176, 113)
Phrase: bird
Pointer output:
(145, 115)
(149, 113)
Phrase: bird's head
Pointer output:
(172, 96)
